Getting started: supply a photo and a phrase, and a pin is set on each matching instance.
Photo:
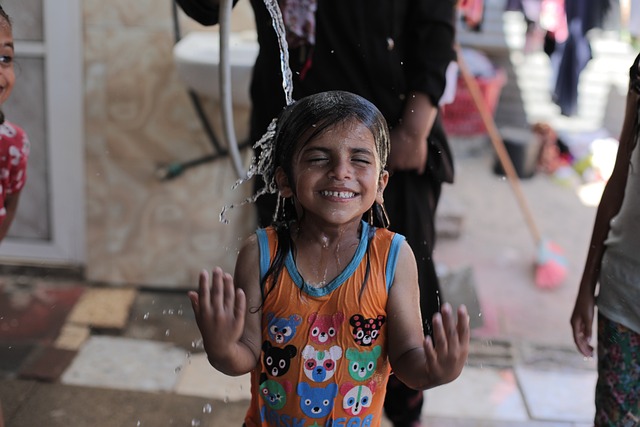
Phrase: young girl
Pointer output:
(325, 305)
(613, 260)
(14, 144)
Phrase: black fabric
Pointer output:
(403, 405)
(634, 75)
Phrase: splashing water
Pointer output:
(206, 409)
(262, 165)
(278, 26)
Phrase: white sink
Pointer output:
(197, 59)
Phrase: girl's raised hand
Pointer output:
(447, 357)
(219, 309)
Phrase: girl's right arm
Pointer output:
(609, 206)
(227, 314)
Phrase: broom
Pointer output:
(551, 266)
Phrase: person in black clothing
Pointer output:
(394, 53)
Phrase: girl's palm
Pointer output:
(219, 309)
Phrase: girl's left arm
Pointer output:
(416, 360)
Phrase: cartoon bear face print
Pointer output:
(277, 360)
(317, 402)
(357, 397)
(366, 330)
(320, 365)
(282, 329)
(273, 392)
(362, 364)
(324, 327)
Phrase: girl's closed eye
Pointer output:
(6, 59)
(362, 159)
(315, 156)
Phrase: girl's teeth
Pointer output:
(340, 194)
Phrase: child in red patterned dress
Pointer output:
(14, 143)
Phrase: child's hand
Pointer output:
(446, 359)
(220, 311)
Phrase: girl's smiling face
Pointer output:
(337, 176)
(7, 74)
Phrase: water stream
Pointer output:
(260, 165)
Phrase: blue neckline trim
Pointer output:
(340, 279)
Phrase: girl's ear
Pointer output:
(382, 184)
(282, 181)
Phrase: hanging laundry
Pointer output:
(571, 56)
(564, 25)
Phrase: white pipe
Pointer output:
(225, 88)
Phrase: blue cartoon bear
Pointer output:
(362, 364)
(317, 402)
(277, 360)
(282, 329)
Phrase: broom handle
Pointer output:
(498, 143)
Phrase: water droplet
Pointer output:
(195, 422)
(146, 316)
(178, 369)
(166, 333)
(138, 424)
(226, 399)
(206, 409)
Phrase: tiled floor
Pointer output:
(126, 364)
(504, 384)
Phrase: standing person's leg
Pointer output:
(618, 387)
(411, 200)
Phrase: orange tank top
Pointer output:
(324, 351)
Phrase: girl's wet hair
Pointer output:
(311, 116)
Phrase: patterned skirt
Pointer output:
(618, 387)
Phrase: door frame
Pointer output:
(64, 82)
